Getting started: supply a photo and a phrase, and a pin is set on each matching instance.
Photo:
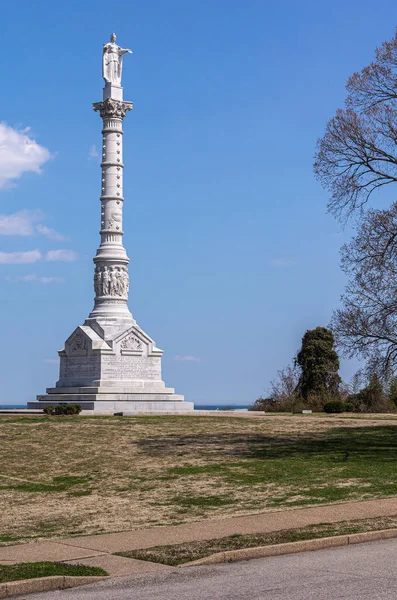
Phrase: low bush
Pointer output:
(73, 409)
(334, 406)
(63, 409)
(286, 404)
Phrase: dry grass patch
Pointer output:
(82, 475)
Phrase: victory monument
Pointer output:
(109, 363)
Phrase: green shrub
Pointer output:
(334, 406)
(48, 410)
(64, 409)
(349, 407)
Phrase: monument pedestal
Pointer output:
(118, 373)
(109, 363)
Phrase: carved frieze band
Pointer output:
(109, 300)
(112, 108)
(111, 281)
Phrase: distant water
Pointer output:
(221, 406)
(196, 406)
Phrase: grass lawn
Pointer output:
(182, 553)
(45, 569)
(82, 475)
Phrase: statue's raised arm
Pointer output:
(112, 61)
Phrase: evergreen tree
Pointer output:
(319, 364)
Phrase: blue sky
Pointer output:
(233, 255)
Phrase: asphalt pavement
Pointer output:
(357, 572)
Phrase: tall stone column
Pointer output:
(111, 280)
(110, 363)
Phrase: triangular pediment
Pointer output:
(83, 341)
(131, 341)
(136, 341)
(78, 343)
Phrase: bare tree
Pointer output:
(358, 152)
(282, 394)
(366, 324)
(283, 387)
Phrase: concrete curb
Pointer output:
(292, 547)
(44, 584)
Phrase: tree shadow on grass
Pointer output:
(369, 443)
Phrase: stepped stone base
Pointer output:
(112, 366)
(130, 407)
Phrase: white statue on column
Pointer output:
(112, 61)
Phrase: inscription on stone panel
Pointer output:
(80, 367)
(131, 367)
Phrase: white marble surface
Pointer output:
(109, 358)
(130, 407)
(112, 61)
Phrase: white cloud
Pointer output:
(13, 258)
(281, 262)
(46, 280)
(187, 358)
(49, 233)
(34, 278)
(19, 223)
(63, 255)
(51, 361)
(25, 223)
(32, 256)
(19, 154)
(93, 152)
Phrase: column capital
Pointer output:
(110, 108)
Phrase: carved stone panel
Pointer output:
(111, 281)
(132, 343)
(78, 344)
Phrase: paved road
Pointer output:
(359, 572)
